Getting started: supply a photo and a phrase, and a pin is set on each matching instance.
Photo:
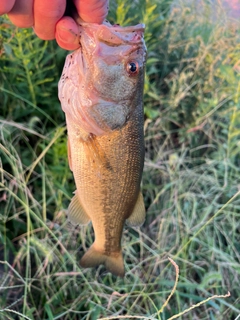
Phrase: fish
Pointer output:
(101, 94)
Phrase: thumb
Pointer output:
(67, 34)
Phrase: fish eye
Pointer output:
(132, 68)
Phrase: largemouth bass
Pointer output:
(101, 93)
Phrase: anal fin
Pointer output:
(76, 213)
(137, 217)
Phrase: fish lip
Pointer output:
(138, 27)
(137, 32)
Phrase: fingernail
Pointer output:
(66, 35)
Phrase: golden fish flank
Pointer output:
(101, 91)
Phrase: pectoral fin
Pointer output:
(76, 213)
(95, 154)
(138, 215)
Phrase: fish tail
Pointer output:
(113, 262)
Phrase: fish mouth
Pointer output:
(115, 27)
(114, 35)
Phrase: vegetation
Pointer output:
(190, 181)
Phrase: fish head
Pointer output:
(105, 77)
(115, 60)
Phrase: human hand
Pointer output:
(46, 17)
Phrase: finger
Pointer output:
(46, 15)
(6, 6)
(67, 34)
(94, 11)
(22, 13)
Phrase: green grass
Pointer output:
(190, 183)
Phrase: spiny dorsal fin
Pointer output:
(137, 217)
(76, 213)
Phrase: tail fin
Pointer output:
(113, 263)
